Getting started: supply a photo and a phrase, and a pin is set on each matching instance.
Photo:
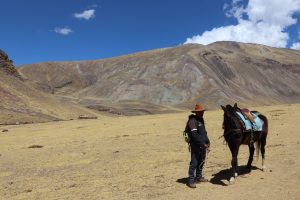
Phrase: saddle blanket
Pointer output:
(248, 125)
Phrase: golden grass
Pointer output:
(142, 157)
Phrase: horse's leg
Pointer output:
(262, 150)
(234, 148)
(251, 151)
(236, 173)
(263, 140)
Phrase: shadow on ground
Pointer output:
(182, 180)
(221, 178)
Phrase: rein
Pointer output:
(206, 156)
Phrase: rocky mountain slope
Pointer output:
(20, 103)
(175, 78)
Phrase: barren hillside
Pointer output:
(175, 78)
(20, 103)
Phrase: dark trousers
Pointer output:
(197, 162)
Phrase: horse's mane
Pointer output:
(233, 113)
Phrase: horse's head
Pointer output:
(230, 120)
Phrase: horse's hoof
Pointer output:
(264, 168)
(231, 181)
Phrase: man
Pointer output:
(199, 143)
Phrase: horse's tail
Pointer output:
(265, 125)
(263, 134)
(258, 143)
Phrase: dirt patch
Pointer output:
(35, 146)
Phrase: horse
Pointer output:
(236, 135)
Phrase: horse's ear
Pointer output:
(235, 105)
(223, 107)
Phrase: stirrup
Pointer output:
(254, 127)
(251, 138)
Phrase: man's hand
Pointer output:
(207, 147)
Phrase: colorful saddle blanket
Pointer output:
(248, 125)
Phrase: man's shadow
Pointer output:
(222, 177)
(183, 180)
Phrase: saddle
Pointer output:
(250, 120)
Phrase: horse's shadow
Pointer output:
(221, 178)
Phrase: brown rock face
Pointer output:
(21, 103)
(172, 78)
(7, 65)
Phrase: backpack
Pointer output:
(186, 137)
(186, 131)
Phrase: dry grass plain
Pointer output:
(143, 157)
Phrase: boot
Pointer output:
(201, 180)
(191, 185)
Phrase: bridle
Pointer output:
(232, 130)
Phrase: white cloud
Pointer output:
(93, 6)
(273, 11)
(262, 22)
(86, 14)
(235, 9)
(246, 31)
(296, 46)
(64, 31)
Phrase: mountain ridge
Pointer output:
(20, 103)
(175, 78)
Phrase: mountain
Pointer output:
(169, 79)
(20, 103)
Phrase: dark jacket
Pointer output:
(195, 128)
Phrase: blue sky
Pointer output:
(67, 30)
